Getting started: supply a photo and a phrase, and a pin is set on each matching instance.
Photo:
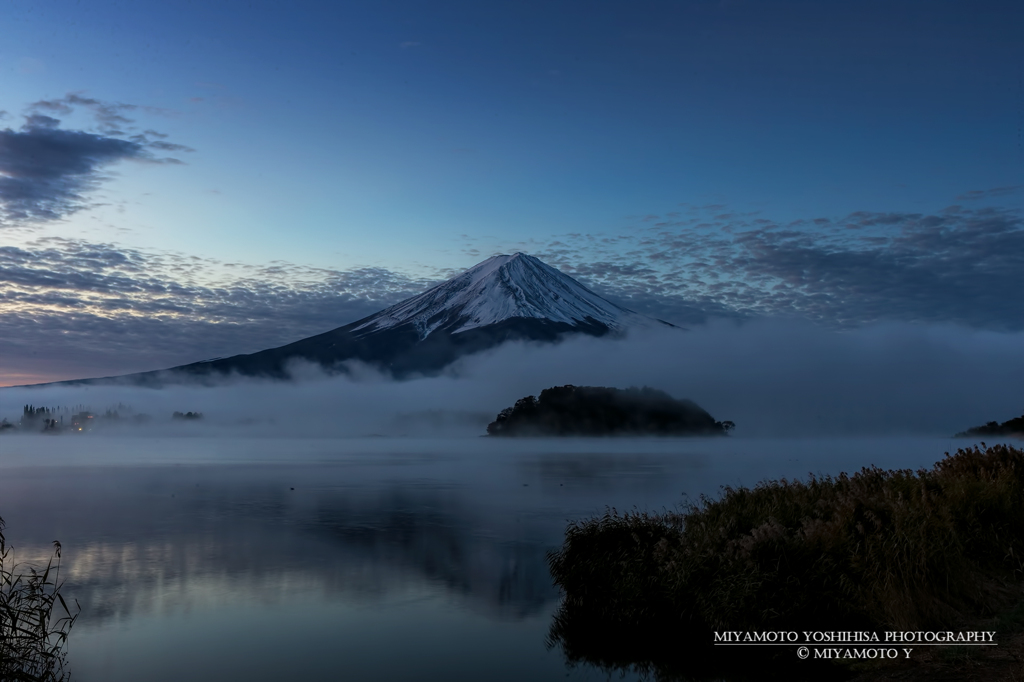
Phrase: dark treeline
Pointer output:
(1011, 427)
(597, 411)
(81, 418)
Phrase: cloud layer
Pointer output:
(960, 265)
(74, 308)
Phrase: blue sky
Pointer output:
(315, 161)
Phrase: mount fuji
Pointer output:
(503, 298)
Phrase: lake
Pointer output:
(361, 559)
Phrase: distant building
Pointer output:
(82, 421)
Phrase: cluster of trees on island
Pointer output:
(52, 419)
(80, 418)
(599, 411)
(1011, 427)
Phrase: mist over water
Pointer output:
(321, 559)
(771, 377)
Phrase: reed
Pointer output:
(878, 550)
(33, 638)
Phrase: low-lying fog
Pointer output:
(257, 555)
(772, 378)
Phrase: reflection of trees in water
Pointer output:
(618, 650)
(668, 651)
(598, 471)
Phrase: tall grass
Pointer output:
(33, 639)
(877, 550)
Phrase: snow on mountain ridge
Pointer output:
(500, 288)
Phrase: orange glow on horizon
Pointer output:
(8, 379)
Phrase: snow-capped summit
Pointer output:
(504, 298)
(500, 288)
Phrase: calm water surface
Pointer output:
(360, 559)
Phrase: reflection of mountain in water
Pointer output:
(441, 545)
(259, 540)
(270, 546)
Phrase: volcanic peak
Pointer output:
(497, 289)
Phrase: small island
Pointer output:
(598, 411)
(1012, 427)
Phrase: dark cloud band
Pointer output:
(47, 173)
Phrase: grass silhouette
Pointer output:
(33, 641)
(878, 550)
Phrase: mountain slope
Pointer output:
(504, 298)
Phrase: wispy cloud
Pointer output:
(47, 172)
(995, 192)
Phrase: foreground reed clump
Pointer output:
(875, 550)
(33, 643)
